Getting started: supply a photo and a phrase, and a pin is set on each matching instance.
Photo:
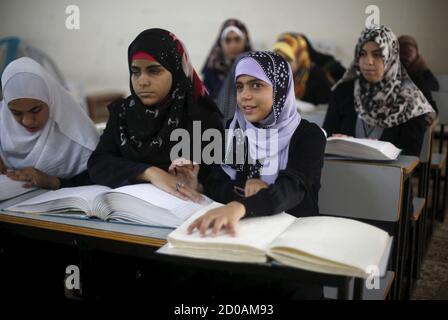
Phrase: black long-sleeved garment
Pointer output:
(296, 188)
(81, 179)
(341, 118)
(318, 87)
(212, 81)
(426, 82)
(110, 167)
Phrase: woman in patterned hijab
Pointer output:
(273, 157)
(376, 98)
(166, 94)
(283, 118)
(311, 82)
(295, 49)
(393, 99)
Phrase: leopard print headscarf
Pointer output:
(395, 99)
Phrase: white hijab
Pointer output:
(62, 147)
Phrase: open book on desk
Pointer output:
(10, 188)
(321, 244)
(139, 203)
(366, 149)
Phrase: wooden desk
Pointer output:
(142, 242)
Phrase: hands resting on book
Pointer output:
(187, 172)
(180, 180)
(227, 217)
(219, 218)
(33, 178)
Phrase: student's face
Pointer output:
(150, 80)
(32, 114)
(255, 98)
(408, 54)
(233, 45)
(371, 62)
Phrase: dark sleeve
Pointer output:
(318, 87)
(213, 120)
(332, 121)
(107, 166)
(411, 135)
(212, 82)
(219, 186)
(335, 69)
(426, 82)
(81, 179)
(305, 162)
(429, 81)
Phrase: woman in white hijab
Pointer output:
(46, 137)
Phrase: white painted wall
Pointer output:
(95, 55)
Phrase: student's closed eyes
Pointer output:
(32, 114)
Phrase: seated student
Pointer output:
(376, 98)
(417, 69)
(310, 81)
(333, 68)
(285, 178)
(166, 94)
(233, 39)
(279, 172)
(46, 137)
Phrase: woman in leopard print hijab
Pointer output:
(395, 98)
(376, 98)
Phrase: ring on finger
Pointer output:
(179, 185)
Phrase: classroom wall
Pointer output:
(95, 55)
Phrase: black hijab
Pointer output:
(145, 130)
